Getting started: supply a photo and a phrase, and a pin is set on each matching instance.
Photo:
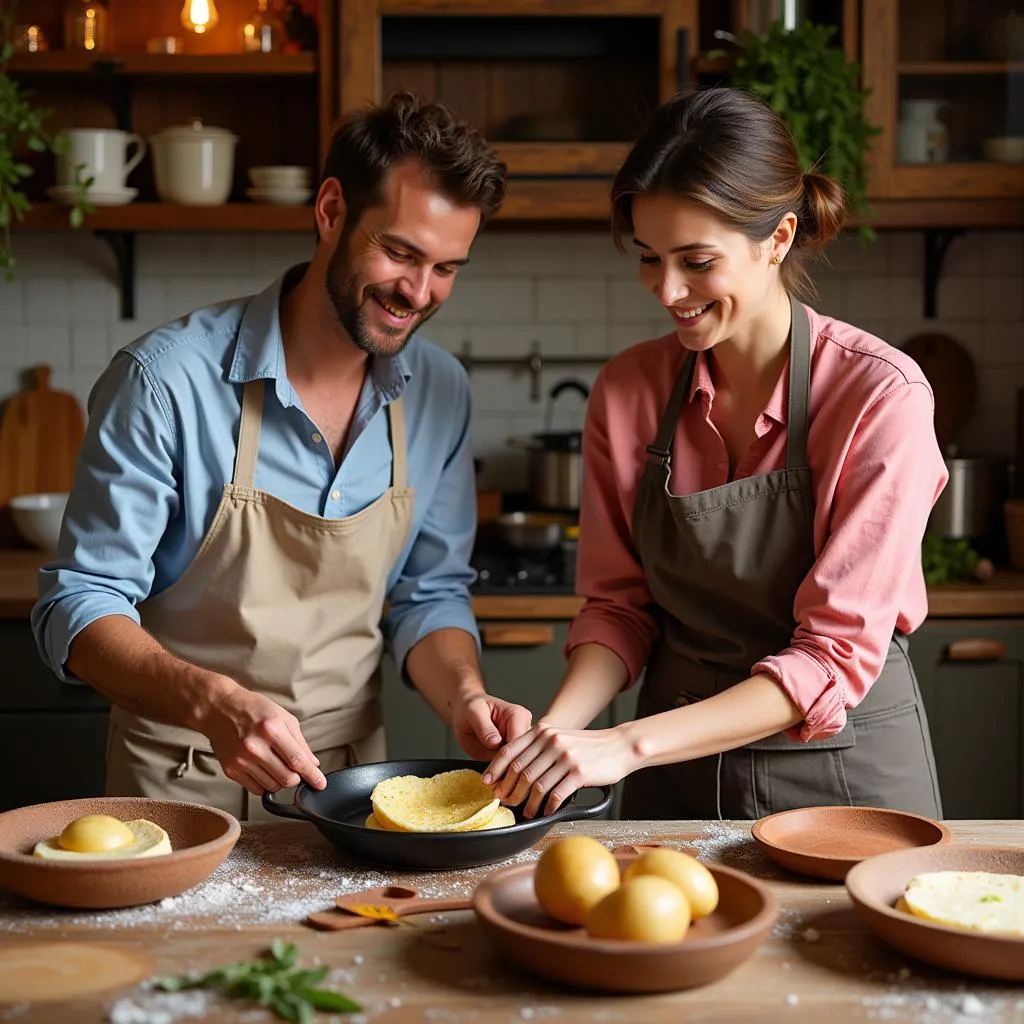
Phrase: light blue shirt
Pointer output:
(160, 446)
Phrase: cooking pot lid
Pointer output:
(560, 440)
(195, 129)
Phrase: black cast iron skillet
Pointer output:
(340, 810)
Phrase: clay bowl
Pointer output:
(876, 885)
(825, 842)
(201, 837)
(512, 919)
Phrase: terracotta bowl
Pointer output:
(825, 842)
(523, 933)
(201, 837)
(876, 885)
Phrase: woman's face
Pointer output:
(712, 279)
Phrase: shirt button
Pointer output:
(317, 438)
(336, 495)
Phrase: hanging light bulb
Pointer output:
(199, 16)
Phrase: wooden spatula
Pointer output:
(400, 899)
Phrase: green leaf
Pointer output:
(284, 1009)
(333, 1002)
(283, 952)
(76, 217)
(307, 979)
(174, 983)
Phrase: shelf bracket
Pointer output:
(936, 243)
(122, 245)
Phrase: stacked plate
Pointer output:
(280, 185)
(67, 195)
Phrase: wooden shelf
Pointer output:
(172, 217)
(960, 67)
(62, 62)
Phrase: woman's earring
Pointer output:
(776, 260)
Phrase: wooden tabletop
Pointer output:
(819, 964)
(1003, 595)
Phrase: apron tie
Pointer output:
(186, 765)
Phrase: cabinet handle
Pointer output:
(517, 634)
(976, 649)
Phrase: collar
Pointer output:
(259, 349)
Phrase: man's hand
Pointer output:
(482, 723)
(259, 744)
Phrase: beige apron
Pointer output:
(285, 603)
(723, 567)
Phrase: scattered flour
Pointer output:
(810, 935)
(269, 878)
(792, 999)
(159, 1007)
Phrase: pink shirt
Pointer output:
(876, 469)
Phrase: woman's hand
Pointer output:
(548, 763)
(482, 722)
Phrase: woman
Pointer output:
(757, 485)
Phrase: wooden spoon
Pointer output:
(399, 899)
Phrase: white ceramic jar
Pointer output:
(194, 164)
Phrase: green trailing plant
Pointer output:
(815, 89)
(22, 126)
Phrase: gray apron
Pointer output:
(723, 567)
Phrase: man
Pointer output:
(261, 476)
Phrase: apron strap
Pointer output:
(400, 455)
(249, 434)
(799, 385)
(660, 453)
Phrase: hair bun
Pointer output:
(824, 210)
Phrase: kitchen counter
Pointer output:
(1002, 596)
(819, 963)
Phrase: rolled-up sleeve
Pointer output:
(123, 497)
(431, 591)
(617, 613)
(869, 567)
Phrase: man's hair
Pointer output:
(455, 157)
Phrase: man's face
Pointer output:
(392, 271)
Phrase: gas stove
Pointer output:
(501, 570)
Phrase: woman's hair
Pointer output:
(368, 142)
(730, 154)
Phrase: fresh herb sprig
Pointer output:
(274, 981)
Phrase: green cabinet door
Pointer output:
(971, 673)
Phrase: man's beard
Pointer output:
(343, 290)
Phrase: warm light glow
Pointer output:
(199, 16)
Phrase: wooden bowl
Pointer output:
(825, 842)
(201, 837)
(876, 884)
(511, 917)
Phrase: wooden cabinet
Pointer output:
(558, 86)
(971, 673)
(947, 83)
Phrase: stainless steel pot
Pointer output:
(556, 457)
(971, 504)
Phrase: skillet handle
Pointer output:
(572, 812)
(282, 810)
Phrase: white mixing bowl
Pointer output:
(37, 517)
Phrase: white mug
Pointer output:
(104, 154)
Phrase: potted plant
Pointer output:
(21, 126)
(815, 89)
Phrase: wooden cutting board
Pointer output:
(950, 371)
(41, 431)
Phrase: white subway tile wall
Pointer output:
(570, 293)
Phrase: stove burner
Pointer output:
(500, 569)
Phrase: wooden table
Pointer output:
(819, 964)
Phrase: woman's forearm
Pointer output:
(749, 711)
(594, 677)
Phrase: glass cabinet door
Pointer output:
(947, 89)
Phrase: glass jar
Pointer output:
(263, 31)
(87, 26)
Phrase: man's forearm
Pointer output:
(445, 667)
(122, 661)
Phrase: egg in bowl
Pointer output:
(104, 837)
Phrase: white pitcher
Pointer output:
(104, 154)
(922, 138)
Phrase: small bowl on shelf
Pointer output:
(280, 196)
(1004, 149)
(279, 176)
